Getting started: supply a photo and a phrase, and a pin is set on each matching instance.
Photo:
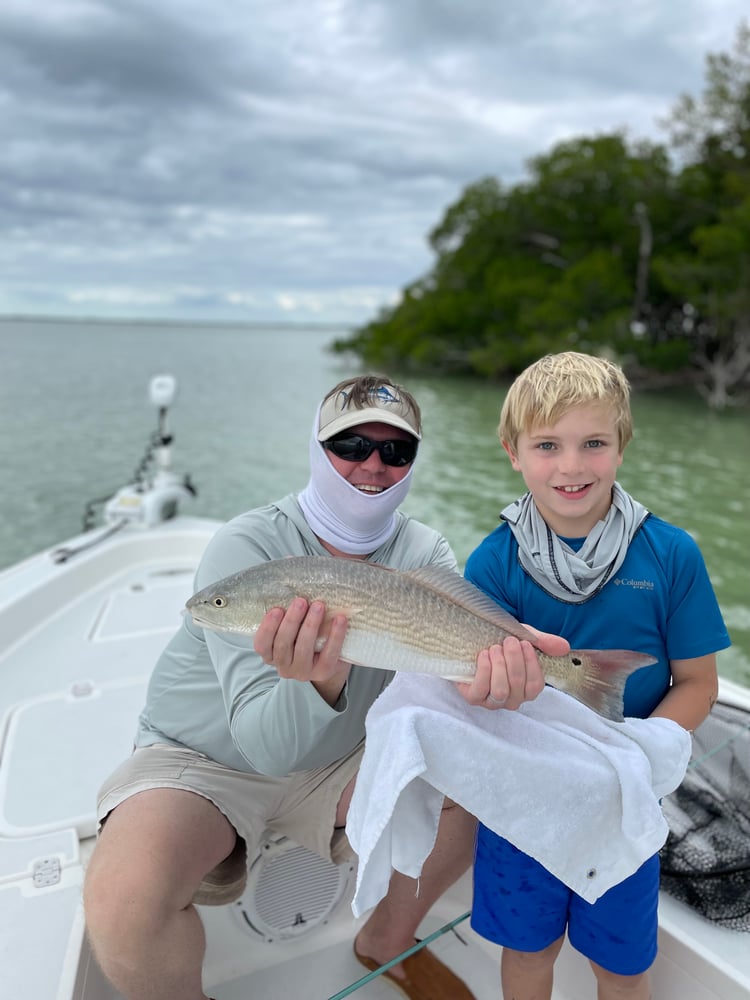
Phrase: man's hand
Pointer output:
(509, 673)
(305, 646)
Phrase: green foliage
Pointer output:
(606, 245)
(663, 357)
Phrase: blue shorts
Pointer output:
(520, 905)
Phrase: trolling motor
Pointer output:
(151, 499)
(146, 501)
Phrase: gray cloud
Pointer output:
(253, 160)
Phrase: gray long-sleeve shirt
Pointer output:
(212, 692)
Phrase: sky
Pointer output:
(285, 160)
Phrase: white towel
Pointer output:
(578, 793)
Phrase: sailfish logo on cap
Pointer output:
(384, 395)
(380, 397)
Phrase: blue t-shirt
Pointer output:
(660, 602)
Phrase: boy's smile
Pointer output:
(570, 468)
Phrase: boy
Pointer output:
(578, 556)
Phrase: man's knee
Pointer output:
(98, 905)
(113, 903)
(125, 900)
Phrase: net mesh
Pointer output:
(705, 861)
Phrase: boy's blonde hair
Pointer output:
(547, 389)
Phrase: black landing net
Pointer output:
(705, 861)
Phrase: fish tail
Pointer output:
(605, 673)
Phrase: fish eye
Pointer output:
(576, 661)
(219, 602)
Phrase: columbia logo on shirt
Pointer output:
(625, 581)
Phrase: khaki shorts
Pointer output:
(301, 806)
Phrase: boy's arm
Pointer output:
(694, 690)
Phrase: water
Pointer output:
(76, 421)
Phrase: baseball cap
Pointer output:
(384, 405)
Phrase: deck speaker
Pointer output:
(290, 890)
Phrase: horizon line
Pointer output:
(174, 321)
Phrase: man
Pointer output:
(233, 741)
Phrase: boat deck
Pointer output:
(79, 641)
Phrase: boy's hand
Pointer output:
(509, 673)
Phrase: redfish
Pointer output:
(429, 620)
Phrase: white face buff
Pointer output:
(339, 513)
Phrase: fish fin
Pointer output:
(456, 588)
(605, 673)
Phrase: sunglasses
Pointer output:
(355, 448)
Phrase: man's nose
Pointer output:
(373, 462)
